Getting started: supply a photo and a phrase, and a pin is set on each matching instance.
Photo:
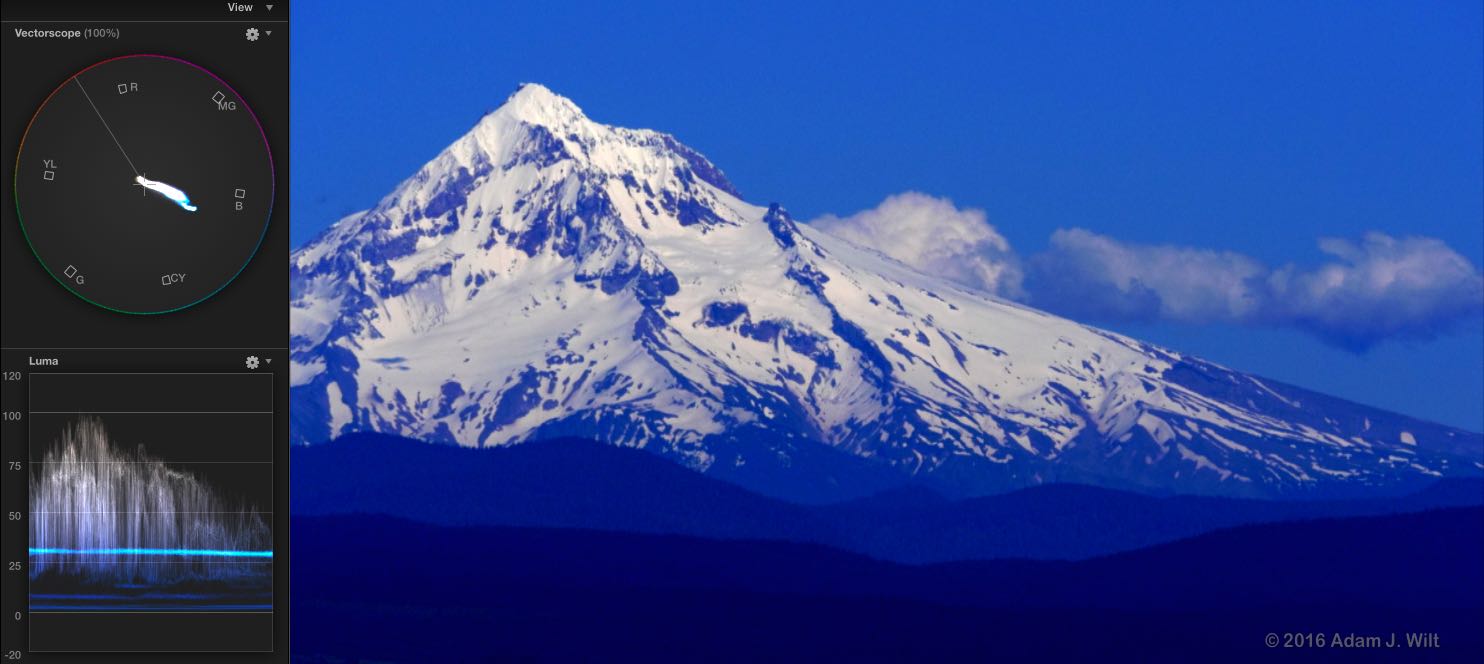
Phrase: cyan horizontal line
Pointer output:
(224, 553)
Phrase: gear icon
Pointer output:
(252, 361)
(252, 34)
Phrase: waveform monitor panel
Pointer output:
(151, 512)
(144, 331)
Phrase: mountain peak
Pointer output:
(536, 104)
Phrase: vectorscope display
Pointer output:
(144, 184)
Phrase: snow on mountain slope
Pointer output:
(549, 275)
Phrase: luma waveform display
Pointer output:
(103, 515)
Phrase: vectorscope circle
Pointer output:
(144, 184)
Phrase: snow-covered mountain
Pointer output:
(548, 275)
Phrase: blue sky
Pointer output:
(1250, 128)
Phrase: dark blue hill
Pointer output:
(572, 483)
(562, 483)
(373, 586)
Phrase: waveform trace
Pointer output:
(103, 513)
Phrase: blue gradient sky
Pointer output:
(1249, 127)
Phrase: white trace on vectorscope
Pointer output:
(176, 195)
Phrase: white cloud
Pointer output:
(1098, 276)
(1376, 289)
(934, 236)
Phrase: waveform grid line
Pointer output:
(151, 552)
(99, 521)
